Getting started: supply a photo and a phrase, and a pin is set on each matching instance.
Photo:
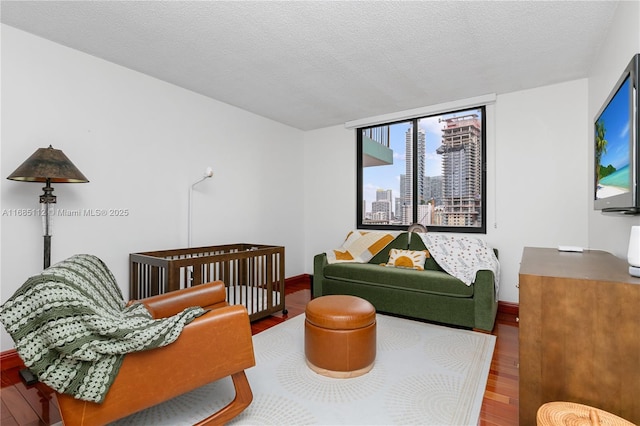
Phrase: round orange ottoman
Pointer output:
(340, 336)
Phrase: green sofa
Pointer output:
(431, 295)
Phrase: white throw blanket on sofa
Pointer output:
(462, 256)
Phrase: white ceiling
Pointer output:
(313, 64)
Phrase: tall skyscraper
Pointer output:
(461, 170)
(398, 209)
(433, 189)
(407, 193)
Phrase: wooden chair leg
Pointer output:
(243, 398)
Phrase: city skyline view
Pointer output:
(395, 177)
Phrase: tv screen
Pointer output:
(616, 145)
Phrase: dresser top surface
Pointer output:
(590, 265)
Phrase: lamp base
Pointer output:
(47, 250)
(634, 271)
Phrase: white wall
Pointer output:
(141, 142)
(330, 189)
(541, 173)
(610, 232)
(536, 171)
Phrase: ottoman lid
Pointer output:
(340, 312)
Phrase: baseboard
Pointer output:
(10, 359)
(508, 308)
(301, 279)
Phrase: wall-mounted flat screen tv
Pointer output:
(617, 146)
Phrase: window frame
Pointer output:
(482, 229)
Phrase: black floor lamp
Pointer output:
(48, 165)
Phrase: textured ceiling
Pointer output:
(312, 64)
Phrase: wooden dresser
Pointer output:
(579, 337)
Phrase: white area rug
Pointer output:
(423, 375)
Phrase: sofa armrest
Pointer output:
(209, 296)
(212, 346)
(486, 305)
(319, 262)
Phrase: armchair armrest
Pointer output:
(215, 345)
(209, 296)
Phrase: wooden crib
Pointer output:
(253, 274)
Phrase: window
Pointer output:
(435, 175)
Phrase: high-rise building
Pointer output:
(385, 195)
(425, 214)
(461, 170)
(379, 134)
(381, 210)
(403, 190)
(398, 209)
(433, 189)
(407, 192)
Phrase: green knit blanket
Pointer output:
(72, 328)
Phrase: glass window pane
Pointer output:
(434, 177)
(452, 187)
(385, 184)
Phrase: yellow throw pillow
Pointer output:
(413, 259)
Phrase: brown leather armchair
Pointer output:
(213, 346)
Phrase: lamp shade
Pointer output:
(48, 164)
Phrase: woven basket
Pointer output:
(572, 414)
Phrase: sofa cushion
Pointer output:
(427, 281)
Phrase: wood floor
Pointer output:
(35, 406)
